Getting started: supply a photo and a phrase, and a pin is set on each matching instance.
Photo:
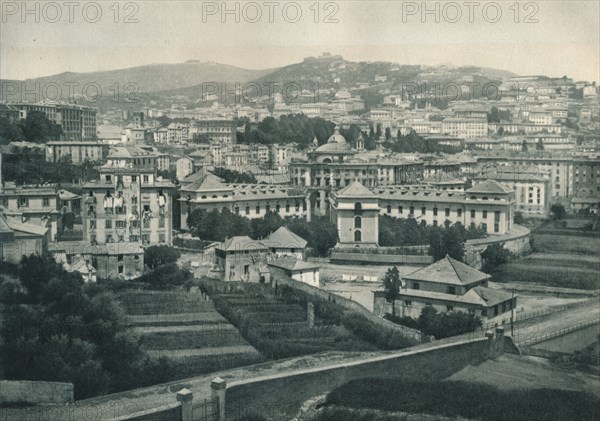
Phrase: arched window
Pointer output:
(357, 235)
(357, 208)
(357, 222)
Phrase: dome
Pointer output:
(336, 137)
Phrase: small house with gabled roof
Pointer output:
(449, 285)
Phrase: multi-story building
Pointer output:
(36, 205)
(78, 122)
(222, 130)
(335, 165)
(586, 177)
(129, 203)
(532, 190)
(488, 205)
(79, 152)
(559, 167)
(248, 200)
(465, 127)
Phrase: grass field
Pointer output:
(568, 261)
(448, 399)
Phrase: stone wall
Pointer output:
(278, 397)
(35, 392)
(517, 242)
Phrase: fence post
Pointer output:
(186, 396)
(217, 387)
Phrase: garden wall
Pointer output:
(278, 277)
(35, 392)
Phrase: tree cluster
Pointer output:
(32, 168)
(232, 176)
(56, 328)
(412, 142)
(495, 255)
(439, 325)
(320, 233)
(36, 128)
(293, 128)
(448, 239)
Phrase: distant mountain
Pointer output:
(163, 81)
(156, 77)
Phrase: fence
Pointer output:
(540, 313)
(552, 335)
(206, 410)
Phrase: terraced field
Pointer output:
(567, 260)
(187, 330)
(281, 330)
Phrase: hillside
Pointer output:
(157, 77)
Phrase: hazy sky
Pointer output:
(564, 40)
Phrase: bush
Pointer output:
(166, 277)
(156, 256)
(385, 339)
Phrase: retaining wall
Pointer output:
(278, 397)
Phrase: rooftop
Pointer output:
(448, 271)
(291, 263)
(285, 238)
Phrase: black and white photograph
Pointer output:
(310, 210)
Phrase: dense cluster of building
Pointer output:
(519, 154)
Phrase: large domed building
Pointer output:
(334, 150)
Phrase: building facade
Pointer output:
(129, 203)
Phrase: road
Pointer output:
(556, 321)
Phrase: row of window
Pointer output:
(268, 208)
(411, 211)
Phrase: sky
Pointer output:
(552, 38)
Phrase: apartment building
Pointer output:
(78, 122)
(129, 203)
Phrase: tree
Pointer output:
(68, 221)
(493, 116)
(524, 146)
(558, 211)
(156, 256)
(324, 235)
(388, 134)
(540, 145)
(495, 255)
(37, 128)
(392, 284)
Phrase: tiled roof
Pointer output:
(448, 271)
(489, 186)
(487, 296)
(291, 263)
(15, 225)
(284, 238)
(355, 189)
(240, 243)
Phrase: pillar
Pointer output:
(499, 343)
(217, 388)
(310, 314)
(186, 396)
(490, 337)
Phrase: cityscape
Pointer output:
(320, 237)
